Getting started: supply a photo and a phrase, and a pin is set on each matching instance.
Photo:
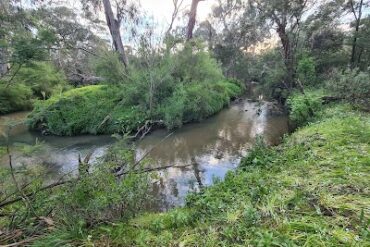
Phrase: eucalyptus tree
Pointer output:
(22, 40)
(76, 42)
(125, 11)
(286, 18)
(233, 27)
(356, 8)
(192, 19)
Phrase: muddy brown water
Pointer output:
(210, 148)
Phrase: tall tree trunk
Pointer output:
(114, 28)
(358, 22)
(3, 59)
(192, 19)
(3, 63)
(288, 57)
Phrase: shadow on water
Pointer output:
(210, 148)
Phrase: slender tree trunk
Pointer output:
(3, 64)
(354, 43)
(3, 60)
(114, 28)
(288, 57)
(192, 19)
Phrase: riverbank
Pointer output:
(108, 109)
(312, 190)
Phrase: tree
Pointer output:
(356, 8)
(192, 19)
(286, 16)
(234, 26)
(75, 43)
(114, 28)
(176, 9)
(125, 11)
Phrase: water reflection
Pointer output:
(210, 148)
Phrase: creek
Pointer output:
(211, 148)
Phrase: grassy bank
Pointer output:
(103, 109)
(312, 190)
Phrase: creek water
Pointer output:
(210, 148)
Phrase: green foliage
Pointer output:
(108, 66)
(14, 97)
(195, 102)
(326, 47)
(269, 71)
(43, 78)
(353, 86)
(2, 151)
(92, 199)
(306, 70)
(259, 155)
(193, 64)
(87, 110)
(304, 107)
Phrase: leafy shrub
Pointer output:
(14, 97)
(260, 155)
(270, 78)
(108, 66)
(43, 78)
(194, 102)
(94, 198)
(353, 86)
(86, 110)
(306, 70)
(303, 107)
(193, 64)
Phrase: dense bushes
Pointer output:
(303, 107)
(36, 80)
(194, 102)
(88, 110)
(99, 109)
(14, 97)
(176, 88)
(306, 70)
(43, 79)
(81, 203)
(352, 85)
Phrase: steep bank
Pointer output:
(312, 190)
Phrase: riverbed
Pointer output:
(211, 148)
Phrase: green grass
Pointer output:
(87, 110)
(312, 190)
(2, 151)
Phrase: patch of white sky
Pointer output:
(161, 10)
(157, 13)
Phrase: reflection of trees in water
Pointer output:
(228, 133)
(224, 137)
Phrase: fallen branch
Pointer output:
(50, 186)
(21, 243)
(153, 169)
(151, 150)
